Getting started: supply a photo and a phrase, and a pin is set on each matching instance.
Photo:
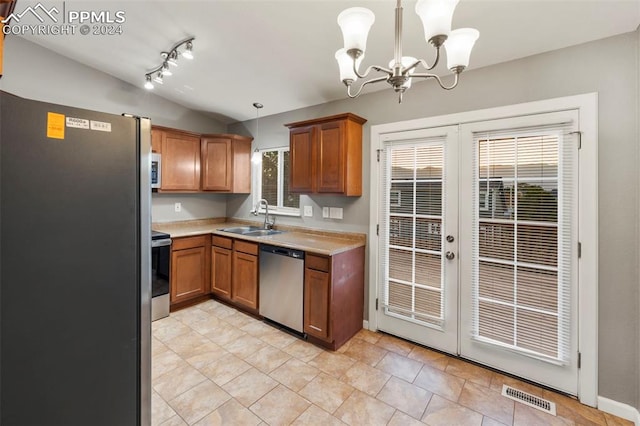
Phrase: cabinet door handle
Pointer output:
(315, 328)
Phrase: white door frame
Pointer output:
(587, 105)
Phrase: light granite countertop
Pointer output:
(308, 240)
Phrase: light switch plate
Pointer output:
(325, 212)
(335, 212)
(178, 207)
(308, 211)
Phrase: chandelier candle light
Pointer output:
(169, 58)
(436, 16)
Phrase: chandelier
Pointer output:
(436, 16)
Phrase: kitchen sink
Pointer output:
(252, 231)
(242, 229)
(262, 232)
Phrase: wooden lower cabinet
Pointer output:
(221, 261)
(189, 269)
(317, 290)
(334, 297)
(234, 272)
(245, 279)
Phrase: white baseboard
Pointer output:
(619, 409)
(365, 324)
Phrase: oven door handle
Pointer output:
(161, 243)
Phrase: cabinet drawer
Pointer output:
(319, 263)
(189, 242)
(246, 247)
(223, 242)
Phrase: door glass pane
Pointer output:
(516, 234)
(415, 199)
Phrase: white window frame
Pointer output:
(587, 105)
(278, 209)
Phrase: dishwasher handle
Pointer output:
(282, 251)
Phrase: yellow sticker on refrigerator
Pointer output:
(55, 125)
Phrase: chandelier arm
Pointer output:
(425, 64)
(373, 80)
(437, 78)
(368, 70)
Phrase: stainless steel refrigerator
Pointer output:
(74, 266)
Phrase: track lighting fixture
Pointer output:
(169, 58)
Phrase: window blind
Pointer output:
(411, 261)
(524, 192)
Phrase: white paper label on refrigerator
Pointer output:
(78, 123)
(100, 126)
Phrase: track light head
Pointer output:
(188, 53)
(158, 78)
(148, 84)
(172, 58)
(165, 69)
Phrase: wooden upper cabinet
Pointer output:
(331, 170)
(216, 164)
(226, 163)
(301, 151)
(192, 162)
(326, 155)
(156, 140)
(180, 161)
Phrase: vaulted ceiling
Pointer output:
(281, 52)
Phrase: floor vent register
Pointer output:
(530, 400)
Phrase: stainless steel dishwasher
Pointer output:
(281, 285)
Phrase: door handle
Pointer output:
(450, 255)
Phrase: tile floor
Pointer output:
(213, 365)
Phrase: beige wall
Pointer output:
(609, 67)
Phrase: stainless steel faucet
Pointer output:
(268, 224)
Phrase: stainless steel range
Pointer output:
(160, 274)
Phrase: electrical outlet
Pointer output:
(178, 207)
(308, 211)
(325, 212)
(335, 212)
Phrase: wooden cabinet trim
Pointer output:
(344, 116)
(173, 130)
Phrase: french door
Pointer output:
(418, 228)
(478, 243)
